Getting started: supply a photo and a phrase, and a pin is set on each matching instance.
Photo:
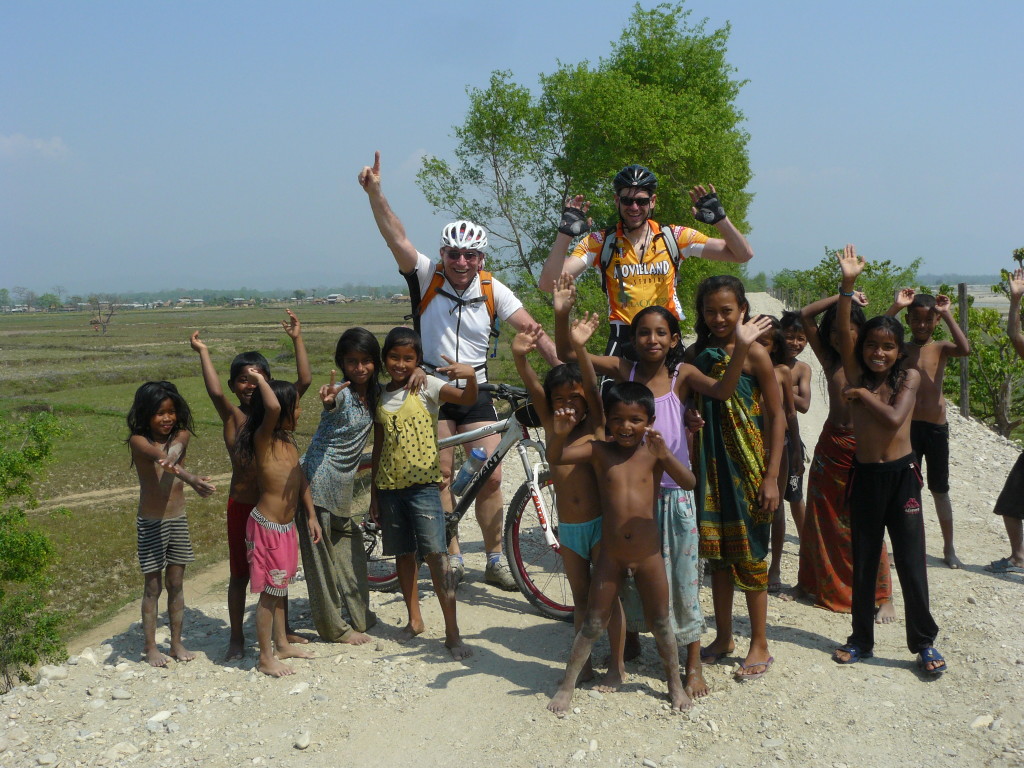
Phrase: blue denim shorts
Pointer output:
(412, 520)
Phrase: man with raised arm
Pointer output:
(455, 306)
(639, 267)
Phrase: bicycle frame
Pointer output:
(513, 434)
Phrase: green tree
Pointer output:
(29, 632)
(299, 295)
(879, 281)
(48, 301)
(664, 96)
(995, 376)
(5, 298)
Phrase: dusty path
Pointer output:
(382, 703)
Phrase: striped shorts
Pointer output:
(163, 542)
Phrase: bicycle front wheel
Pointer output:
(381, 572)
(535, 566)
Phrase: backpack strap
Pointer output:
(611, 241)
(419, 303)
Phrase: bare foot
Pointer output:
(357, 638)
(458, 649)
(611, 682)
(696, 686)
(180, 653)
(289, 651)
(885, 613)
(633, 647)
(560, 701)
(409, 631)
(274, 668)
(236, 650)
(155, 658)
(949, 558)
(295, 638)
(677, 695)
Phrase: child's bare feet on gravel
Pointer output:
(885, 613)
(155, 658)
(274, 668)
(357, 638)
(677, 695)
(409, 631)
(296, 638)
(289, 651)
(236, 650)
(611, 682)
(696, 686)
(180, 653)
(458, 649)
(949, 558)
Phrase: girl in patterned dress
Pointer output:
(737, 475)
(405, 499)
(336, 568)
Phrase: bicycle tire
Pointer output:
(536, 568)
(381, 572)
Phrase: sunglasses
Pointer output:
(642, 202)
(469, 256)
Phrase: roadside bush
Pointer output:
(29, 632)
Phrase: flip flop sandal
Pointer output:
(929, 654)
(1003, 565)
(743, 678)
(856, 654)
(710, 657)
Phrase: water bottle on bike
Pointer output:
(473, 462)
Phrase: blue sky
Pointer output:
(150, 145)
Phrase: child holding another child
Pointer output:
(265, 441)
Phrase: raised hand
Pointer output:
(196, 344)
(416, 382)
(584, 328)
(860, 298)
(1017, 283)
(574, 216)
(455, 371)
(656, 443)
(943, 305)
(706, 207)
(369, 177)
(526, 341)
(565, 420)
(564, 294)
(904, 297)
(255, 373)
(850, 263)
(749, 332)
(329, 392)
(292, 326)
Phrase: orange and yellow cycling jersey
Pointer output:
(633, 281)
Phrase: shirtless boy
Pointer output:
(244, 491)
(579, 531)
(929, 431)
(796, 341)
(628, 470)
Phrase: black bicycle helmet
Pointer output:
(635, 176)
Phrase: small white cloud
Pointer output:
(17, 146)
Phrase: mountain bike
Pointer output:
(531, 522)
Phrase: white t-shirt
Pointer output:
(430, 395)
(462, 333)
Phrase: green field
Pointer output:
(57, 361)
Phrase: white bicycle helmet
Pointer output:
(464, 235)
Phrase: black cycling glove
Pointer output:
(709, 210)
(574, 222)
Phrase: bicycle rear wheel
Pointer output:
(536, 567)
(381, 571)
